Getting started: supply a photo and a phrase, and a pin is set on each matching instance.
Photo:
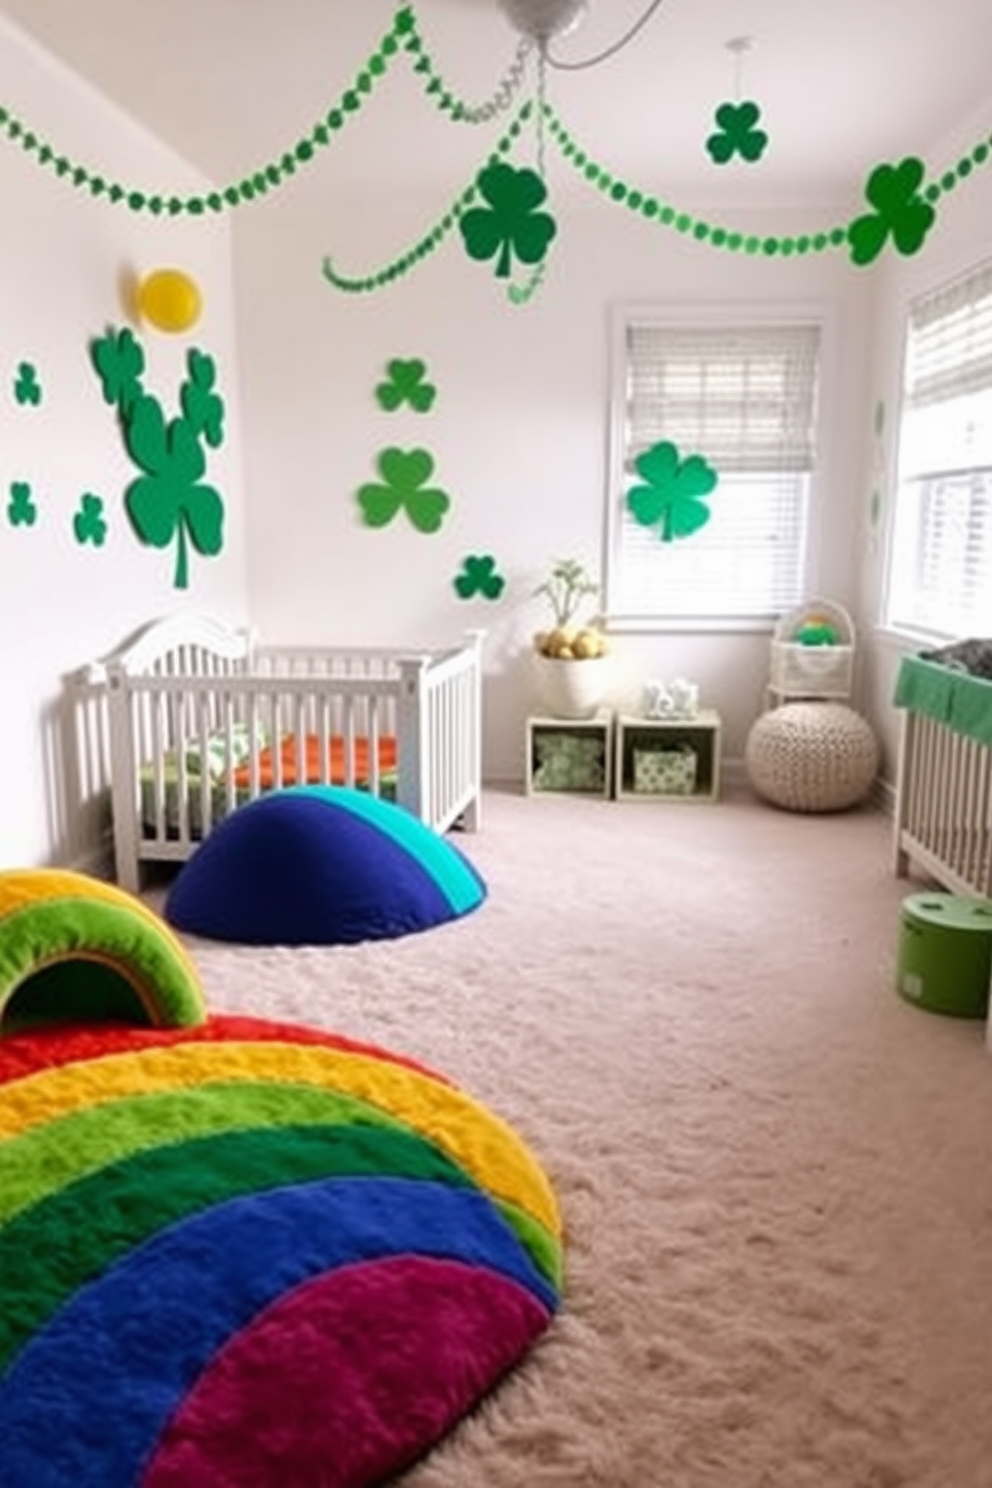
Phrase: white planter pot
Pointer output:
(571, 689)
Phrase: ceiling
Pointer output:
(842, 85)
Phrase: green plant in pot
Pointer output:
(571, 659)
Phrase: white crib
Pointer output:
(943, 816)
(200, 719)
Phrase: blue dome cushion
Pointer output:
(321, 865)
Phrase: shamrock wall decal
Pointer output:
(403, 487)
(900, 210)
(671, 496)
(737, 133)
(21, 510)
(406, 384)
(89, 523)
(169, 502)
(511, 224)
(27, 388)
(479, 576)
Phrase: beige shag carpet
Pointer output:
(776, 1176)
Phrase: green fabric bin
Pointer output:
(945, 953)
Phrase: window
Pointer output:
(940, 555)
(745, 398)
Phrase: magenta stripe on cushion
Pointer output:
(349, 1378)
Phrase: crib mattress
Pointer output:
(222, 799)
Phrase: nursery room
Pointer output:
(496, 818)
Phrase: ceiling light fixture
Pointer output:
(540, 21)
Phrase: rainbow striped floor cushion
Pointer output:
(247, 1253)
(321, 865)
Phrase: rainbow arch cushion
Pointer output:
(321, 865)
(251, 1253)
(74, 946)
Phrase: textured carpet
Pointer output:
(252, 1254)
(775, 1175)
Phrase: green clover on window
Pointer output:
(406, 385)
(737, 133)
(404, 476)
(27, 388)
(671, 497)
(479, 576)
(894, 192)
(511, 223)
(89, 524)
(21, 511)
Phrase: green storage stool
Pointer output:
(945, 954)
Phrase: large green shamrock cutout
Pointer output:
(27, 388)
(89, 523)
(406, 384)
(21, 511)
(737, 133)
(404, 474)
(170, 500)
(479, 576)
(671, 496)
(511, 223)
(894, 192)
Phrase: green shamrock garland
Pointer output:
(511, 223)
(479, 576)
(405, 384)
(89, 523)
(169, 502)
(671, 497)
(900, 211)
(403, 488)
(21, 510)
(737, 133)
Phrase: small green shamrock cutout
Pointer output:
(119, 361)
(89, 524)
(27, 389)
(406, 385)
(511, 223)
(404, 473)
(479, 576)
(21, 511)
(672, 494)
(894, 192)
(736, 133)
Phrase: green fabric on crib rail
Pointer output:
(962, 702)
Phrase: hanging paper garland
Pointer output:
(671, 496)
(405, 384)
(479, 577)
(403, 488)
(169, 502)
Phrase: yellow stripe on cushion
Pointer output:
(484, 1145)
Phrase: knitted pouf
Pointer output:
(812, 756)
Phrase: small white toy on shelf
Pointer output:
(676, 699)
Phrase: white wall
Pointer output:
(65, 260)
(518, 430)
(960, 238)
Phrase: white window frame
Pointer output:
(709, 318)
(943, 463)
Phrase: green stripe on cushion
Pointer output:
(75, 1235)
(48, 1157)
(93, 930)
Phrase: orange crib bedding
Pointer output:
(313, 774)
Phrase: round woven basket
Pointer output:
(812, 756)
